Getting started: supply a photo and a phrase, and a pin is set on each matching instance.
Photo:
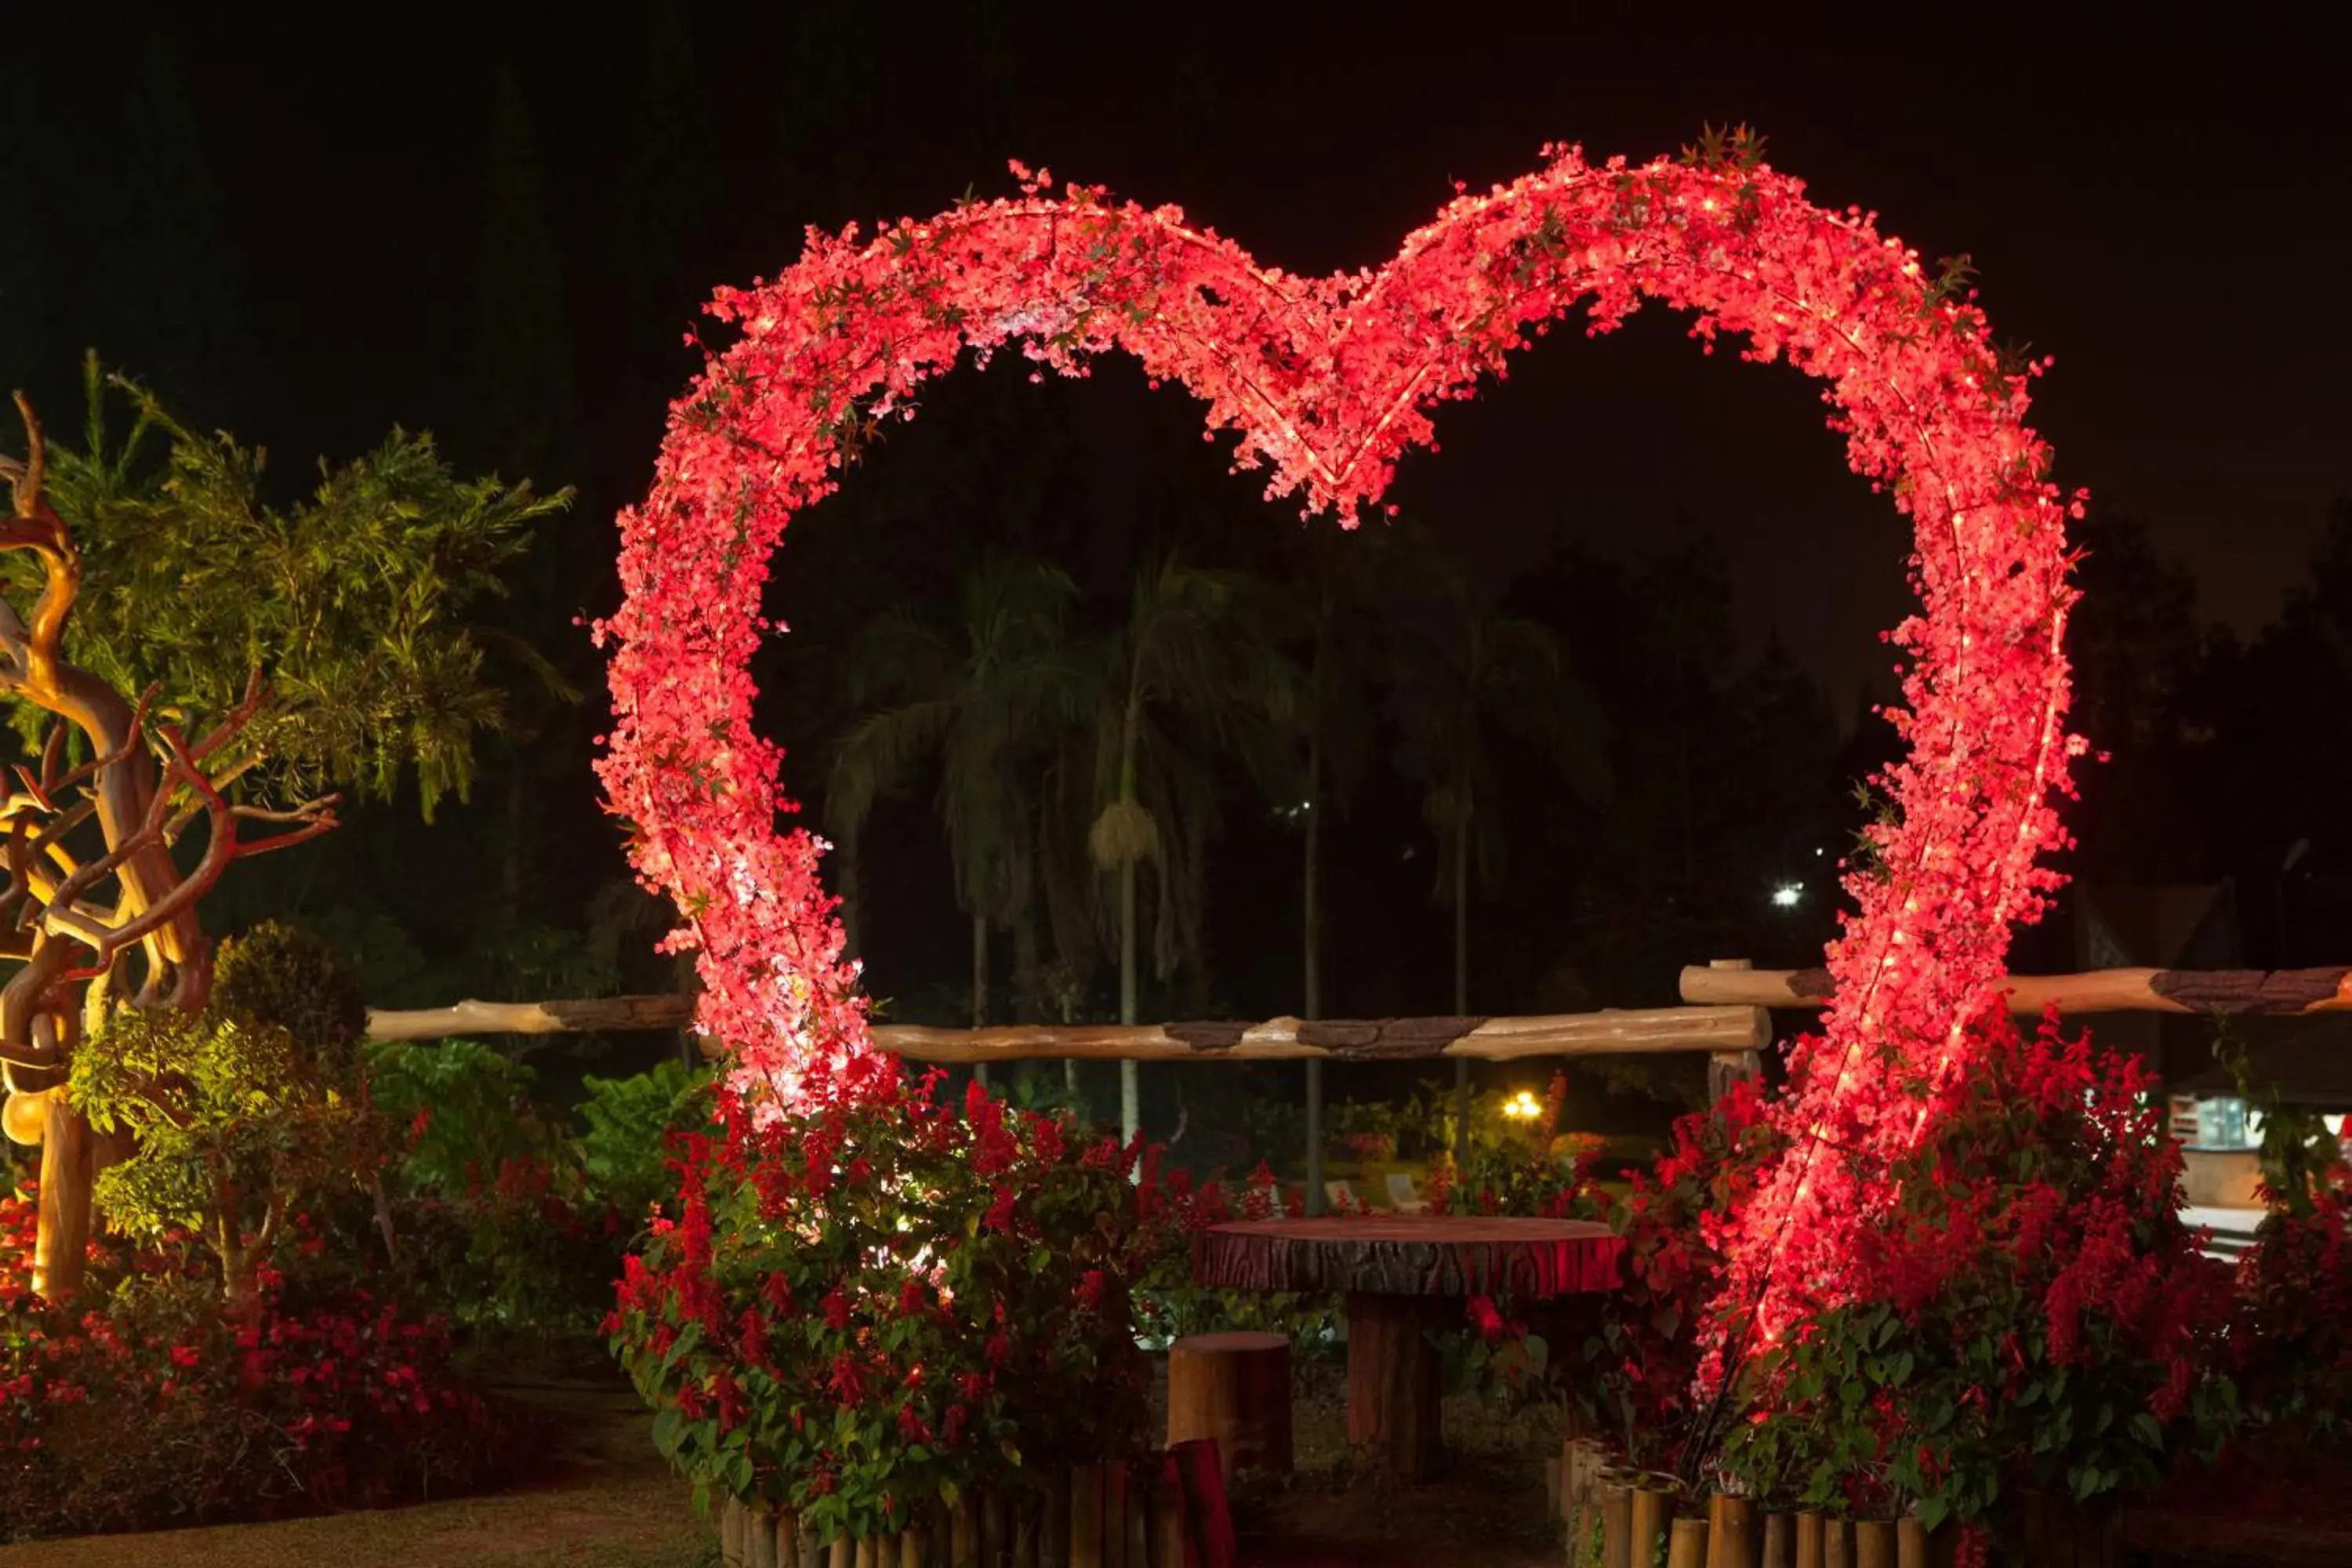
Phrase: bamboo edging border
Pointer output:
(1164, 1510)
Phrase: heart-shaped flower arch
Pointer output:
(1326, 381)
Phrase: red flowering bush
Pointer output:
(151, 1406)
(871, 1304)
(2291, 1341)
(2031, 1311)
(1641, 1348)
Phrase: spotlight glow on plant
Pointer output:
(1523, 1106)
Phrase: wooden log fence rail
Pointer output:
(1726, 1013)
(1732, 1036)
(1611, 1031)
(2266, 993)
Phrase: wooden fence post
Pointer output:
(1724, 1068)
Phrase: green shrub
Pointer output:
(275, 974)
(234, 1124)
(467, 1107)
(514, 1222)
(622, 1151)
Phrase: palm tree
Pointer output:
(1506, 675)
(1346, 639)
(1194, 673)
(1495, 674)
(975, 699)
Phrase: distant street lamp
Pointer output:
(1787, 894)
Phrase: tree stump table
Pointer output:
(1403, 1275)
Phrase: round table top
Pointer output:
(1410, 1255)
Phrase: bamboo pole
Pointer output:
(1580, 1462)
(1647, 1515)
(759, 1549)
(2273, 993)
(1117, 1493)
(1910, 1543)
(1874, 1543)
(1616, 1525)
(964, 1534)
(1138, 1521)
(844, 1552)
(995, 1538)
(1688, 1548)
(1085, 1516)
(1776, 1542)
(1809, 1541)
(1837, 1543)
(731, 1534)
(1731, 1531)
(1611, 1031)
(1167, 1524)
(1054, 1539)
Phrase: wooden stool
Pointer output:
(1235, 1388)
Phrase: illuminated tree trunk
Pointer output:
(71, 944)
(38, 1011)
(67, 1175)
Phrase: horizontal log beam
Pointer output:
(614, 1013)
(2266, 993)
(1714, 1029)
(1608, 1033)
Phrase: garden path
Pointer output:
(603, 1500)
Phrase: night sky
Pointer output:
(2162, 210)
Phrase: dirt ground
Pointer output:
(603, 1500)
(606, 1499)
(1488, 1508)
